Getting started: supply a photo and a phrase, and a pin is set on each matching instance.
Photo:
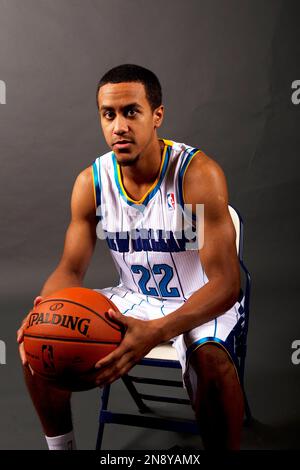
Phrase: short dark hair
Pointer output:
(135, 73)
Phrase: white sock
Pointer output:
(63, 442)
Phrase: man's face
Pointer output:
(126, 116)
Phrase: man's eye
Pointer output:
(108, 114)
(131, 112)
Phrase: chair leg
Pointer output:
(248, 413)
(104, 399)
(135, 394)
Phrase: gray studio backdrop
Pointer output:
(227, 69)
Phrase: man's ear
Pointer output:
(158, 116)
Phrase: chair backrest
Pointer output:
(239, 228)
(237, 225)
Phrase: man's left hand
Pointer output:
(140, 337)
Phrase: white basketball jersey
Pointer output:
(150, 239)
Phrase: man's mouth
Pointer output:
(121, 144)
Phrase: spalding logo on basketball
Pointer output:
(67, 333)
(66, 321)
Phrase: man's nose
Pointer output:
(120, 125)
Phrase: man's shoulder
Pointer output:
(204, 178)
(197, 159)
(203, 166)
(82, 199)
(85, 177)
(189, 153)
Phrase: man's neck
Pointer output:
(138, 178)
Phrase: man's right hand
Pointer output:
(20, 332)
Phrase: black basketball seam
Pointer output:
(84, 306)
(70, 340)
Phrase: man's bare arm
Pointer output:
(205, 183)
(80, 237)
(79, 245)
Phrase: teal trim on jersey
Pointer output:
(231, 343)
(213, 339)
(154, 190)
(134, 305)
(116, 294)
(180, 180)
(161, 307)
(97, 183)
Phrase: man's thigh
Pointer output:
(135, 304)
(213, 342)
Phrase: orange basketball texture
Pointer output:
(67, 333)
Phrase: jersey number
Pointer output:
(163, 285)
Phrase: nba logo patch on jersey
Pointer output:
(171, 201)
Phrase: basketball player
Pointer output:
(135, 197)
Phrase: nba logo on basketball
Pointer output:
(171, 201)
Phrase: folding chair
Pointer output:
(164, 355)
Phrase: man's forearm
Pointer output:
(59, 279)
(207, 303)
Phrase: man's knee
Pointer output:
(211, 362)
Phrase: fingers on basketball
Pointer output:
(20, 332)
(37, 300)
(22, 354)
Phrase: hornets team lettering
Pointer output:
(146, 240)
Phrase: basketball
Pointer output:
(67, 333)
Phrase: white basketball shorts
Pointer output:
(223, 330)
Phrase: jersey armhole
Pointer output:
(96, 183)
(190, 158)
(94, 192)
(182, 173)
